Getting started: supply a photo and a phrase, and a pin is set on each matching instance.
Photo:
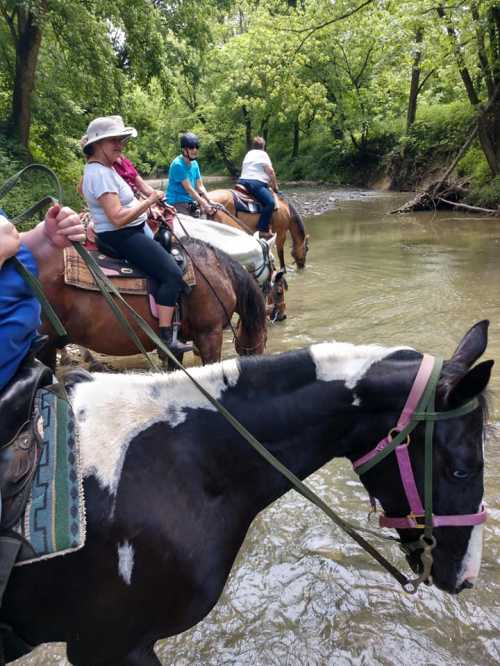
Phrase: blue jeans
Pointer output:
(264, 196)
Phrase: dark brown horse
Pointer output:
(286, 218)
(223, 287)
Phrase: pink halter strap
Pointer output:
(423, 374)
(405, 468)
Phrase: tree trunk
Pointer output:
(486, 128)
(27, 49)
(264, 128)
(415, 81)
(248, 127)
(493, 19)
(296, 139)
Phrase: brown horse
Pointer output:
(286, 218)
(222, 287)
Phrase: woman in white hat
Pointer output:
(119, 218)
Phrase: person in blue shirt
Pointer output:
(19, 309)
(185, 189)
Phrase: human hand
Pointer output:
(10, 240)
(157, 195)
(208, 208)
(62, 225)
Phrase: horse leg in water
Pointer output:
(280, 247)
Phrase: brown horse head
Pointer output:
(300, 246)
(276, 304)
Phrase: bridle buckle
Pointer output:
(413, 517)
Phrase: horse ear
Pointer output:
(471, 384)
(472, 345)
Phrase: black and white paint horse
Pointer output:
(171, 489)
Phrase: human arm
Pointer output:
(142, 186)
(200, 195)
(10, 240)
(273, 183)
(119, 215)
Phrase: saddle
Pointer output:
(243, 201)
(126, 278)
(19, 448)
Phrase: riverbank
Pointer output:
(311, 198)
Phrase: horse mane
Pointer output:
(296, 218)
(251, 305)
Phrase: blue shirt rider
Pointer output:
(185, 189)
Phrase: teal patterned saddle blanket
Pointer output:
(54, 518)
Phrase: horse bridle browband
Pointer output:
(419, 406)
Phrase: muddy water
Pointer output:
(301, 592)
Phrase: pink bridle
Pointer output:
(407, 421)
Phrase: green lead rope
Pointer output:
(47, 308)
(109, 290)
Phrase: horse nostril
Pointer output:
(467, 585)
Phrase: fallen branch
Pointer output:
(428, 199)
(459, 156)
(476, 209)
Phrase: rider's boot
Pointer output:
(168, 335)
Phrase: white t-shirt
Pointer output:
(98, 180)
(253, 166)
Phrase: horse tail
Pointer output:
(296, 219)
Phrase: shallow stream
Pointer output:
(301, 592)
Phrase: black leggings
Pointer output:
(150, 257)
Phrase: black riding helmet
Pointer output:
(189, 140)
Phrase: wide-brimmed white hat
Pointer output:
(105, 128)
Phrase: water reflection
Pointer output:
(301, 592)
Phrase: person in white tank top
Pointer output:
(259, 178)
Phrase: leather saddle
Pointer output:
(19, 447)
(109, 259)
(244, 202)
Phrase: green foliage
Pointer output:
(30, 189)
(433, 136)
(474, 164)
(326, 84)
(486, 195)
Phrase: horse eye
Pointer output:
(460, 474)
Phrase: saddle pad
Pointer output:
(242, 247)
(54, 519)
(123, 277)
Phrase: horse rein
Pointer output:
(419, 406)
(240, 223)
